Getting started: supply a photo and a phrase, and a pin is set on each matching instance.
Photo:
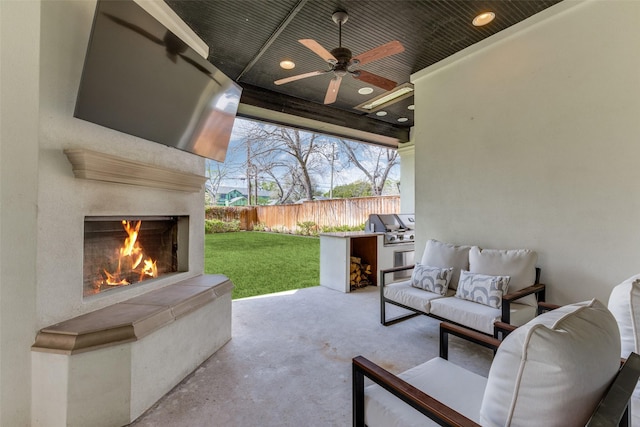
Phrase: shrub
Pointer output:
(217, 226)
(308, 228)
(280, 229)
(342, 228)
(260, 226)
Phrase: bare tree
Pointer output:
(375, 162)
(216, 172)
(290, 157)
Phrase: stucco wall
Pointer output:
(42, 48)
(64, 201)
(533, 142)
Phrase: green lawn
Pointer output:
(262, 263)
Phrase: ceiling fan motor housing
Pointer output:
(342, 54)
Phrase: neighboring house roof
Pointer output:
(240, 190)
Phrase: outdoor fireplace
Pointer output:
(125, 251)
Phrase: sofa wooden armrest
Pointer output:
(427, 405)
(502, 328)
(476, 337)
(546, 306)
(537, 289)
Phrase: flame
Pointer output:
(130, 257)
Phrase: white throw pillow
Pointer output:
(482, 288)
(624, 303)
(553, 370)
(443, 255)
(432, 279)
(519, 264)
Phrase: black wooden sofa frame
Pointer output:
(537, 289)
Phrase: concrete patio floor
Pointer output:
(289, 361)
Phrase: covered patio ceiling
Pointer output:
(249, 38)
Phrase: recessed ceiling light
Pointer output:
(483, 19)
(288, 65)
(403, 119)
(381, 113)
(365, 90)
(411, 107)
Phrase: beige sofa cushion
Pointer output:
(418, 299)
(554, 370)
(479, 316)
(518, 264)
(444, 255)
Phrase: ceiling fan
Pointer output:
(342, 62)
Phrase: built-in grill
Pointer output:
(397, 228)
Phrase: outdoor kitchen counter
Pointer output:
(350, 234)
(336, 250)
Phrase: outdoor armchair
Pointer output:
(560, 369)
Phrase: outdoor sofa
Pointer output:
(468, 286)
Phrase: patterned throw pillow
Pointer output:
(483, 289)
(432, 279)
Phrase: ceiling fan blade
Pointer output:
(332, 90)
(375, 80)
(299, 76)
(379, 52)
(319, 50)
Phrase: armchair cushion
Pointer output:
(444, 255)
(482, 288)
(432, 279)
(439, 378)
(519, 264)
(549, 372)
(624, 303)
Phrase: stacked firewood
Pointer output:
(360, 272)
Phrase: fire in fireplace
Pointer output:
(126, 251)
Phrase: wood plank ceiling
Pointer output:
(249, 38)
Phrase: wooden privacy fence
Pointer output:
(324, 213)
(334, 212)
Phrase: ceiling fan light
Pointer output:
(365, 90)
(483, 19)
(287, 64)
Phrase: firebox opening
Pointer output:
(125, 251)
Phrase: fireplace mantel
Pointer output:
(88, 164)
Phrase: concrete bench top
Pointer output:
(132, 319)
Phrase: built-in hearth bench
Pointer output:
(108, 366)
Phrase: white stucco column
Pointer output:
(19, 124)
(407, 177)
